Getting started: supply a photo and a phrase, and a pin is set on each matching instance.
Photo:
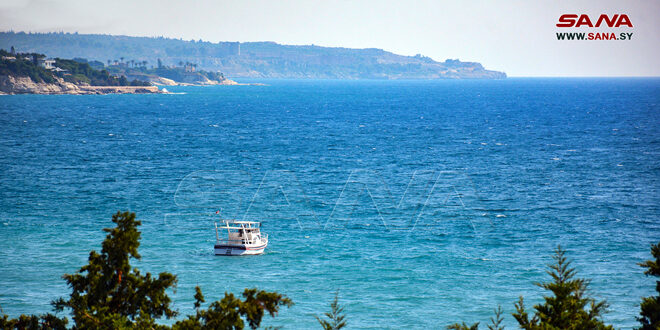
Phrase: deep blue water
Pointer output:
(423, 202)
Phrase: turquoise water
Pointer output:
(423, 202)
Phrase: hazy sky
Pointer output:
(517, 37)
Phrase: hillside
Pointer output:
(32, 73)
(250, 59)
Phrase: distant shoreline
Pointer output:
(16, 85)
(12, 85)
(249, 59)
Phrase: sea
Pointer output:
(419, 203)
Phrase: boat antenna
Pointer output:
(217, 236)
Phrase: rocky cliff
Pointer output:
(24, 85)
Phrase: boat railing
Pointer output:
(242, 237)
(241, 241)
(230, 241)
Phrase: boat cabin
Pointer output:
(241, 232)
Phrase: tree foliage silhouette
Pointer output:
(336, 319)
(48, 321)
(228, 312)
(463, 326)
(495, 323)
(650, 306)
(108, 293)
(566, 308)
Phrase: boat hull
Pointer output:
(238, 250)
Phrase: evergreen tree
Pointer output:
(495, 323)
(650, 306)
(463, 326)
(108, 293)
(336, 319)
(48, 321)
(565, 309)
(228, 312)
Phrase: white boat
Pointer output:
(243, 238)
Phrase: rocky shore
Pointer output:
(160, 81)
(25, 85)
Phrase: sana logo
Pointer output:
(583, 20)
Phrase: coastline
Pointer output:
(10, 85)
(226, 82)
(169, 82)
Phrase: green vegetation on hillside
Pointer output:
(81, 72)
(73, 71)
(184, 73)
(24, 65)
(250, 59)
(178, 74)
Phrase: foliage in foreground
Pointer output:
(567, 308)
(108, 293)
(495, 323)
(336, 317)
(650, 306)
(48, 321)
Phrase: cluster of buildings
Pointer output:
(49, 64)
